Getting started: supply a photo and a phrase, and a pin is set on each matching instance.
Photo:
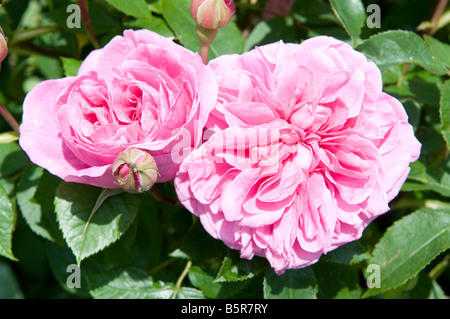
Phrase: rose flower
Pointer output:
(307, 151)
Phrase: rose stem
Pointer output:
(204, 52)
(87, 23)
(435, 18)
(162, 198)
(9, 118)
(181, 278)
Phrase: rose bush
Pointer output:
(335, 150)
(302, 151)
(141, 90)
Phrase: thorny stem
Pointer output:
(87, 23)
(439, 268)
(9, 118)
(437, 14)
(205, 37)
(181, 278)
(162, 198)
(204, 52)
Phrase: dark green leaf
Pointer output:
(199, 245)
(211, 289)
(351, 14)
(87, 233)
(409, 245)
(391, 48)
(292, 284)
(337, 281)
(148, 246)
(59, 258)
(235, 268)
(127, 283)
(117, 254)
(9, 286)
(348, 254)
(440, 49)
(41, 221)
(12, 159)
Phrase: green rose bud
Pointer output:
(212, 14)
(135, 170)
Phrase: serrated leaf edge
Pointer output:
(370, 292)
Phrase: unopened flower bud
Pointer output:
(212, 14)
(3, 46)
(135, 170)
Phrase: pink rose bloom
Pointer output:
(308, 152)
(140, 91)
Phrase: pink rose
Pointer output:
(308, 150)
(140, 91)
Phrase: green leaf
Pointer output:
(59, 257)
(436, 179)
(351, 14)
(70, 66)
(117, 254)
(40, 218)
(148, 245)
(409, 245)
(12, 159)
(292, 284)
(391, 48)
(210, 288)
(9, 286)
(87, 233)
(127, 283)
(135, 8)
(199, 245)
(348, 254)
(235, 268)
(440, 49)
(178, 16)
(337, 281)
(7, 225)
(445, 111)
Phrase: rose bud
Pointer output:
(212, 14)
(135, 170)
(3, 46)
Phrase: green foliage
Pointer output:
(178, 16)
(352, 15)
(92, 219)
(397, 47)
(409, 245)
(292, 284)
(7, 224)
(135, 246)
